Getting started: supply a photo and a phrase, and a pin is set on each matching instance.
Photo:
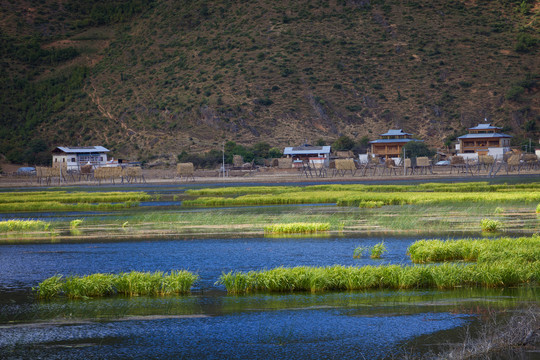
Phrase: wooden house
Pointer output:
(390, 144)
(484, 139)
(75, 157)
(318, 155)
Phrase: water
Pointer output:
(211, 324)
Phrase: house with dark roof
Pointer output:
(318, 155)
(391, 143)
(75, 157)
(484, 139)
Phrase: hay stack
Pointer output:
(423, 161)
(486, 159)
(345, 164)
(457, 160)
(107, 173)
(86, 169)
(285, 163)
(238, 161)
(185, 170)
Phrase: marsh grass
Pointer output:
(377, 250)
(368, 196)
(341, 278)
(296, 228)
(490, 225)
(64, 201)
(523, 249)
(74, 224)
(359, 251)
(130, 284)
(23, 226)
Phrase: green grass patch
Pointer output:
(369, 196)
(341, 278)
(518, 250)
(499, 263)
(296, 228)
(133, 283)
(64, 201)
(490, 225)
(23, 226)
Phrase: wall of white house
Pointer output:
(75, 161)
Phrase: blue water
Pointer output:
(24, 266)
(209, 324)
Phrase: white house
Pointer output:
(75, 157)
(318, 155)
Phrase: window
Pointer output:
(72, 159)
(101, 158)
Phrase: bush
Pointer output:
(515, 92)
(525, 42)
(489, 225)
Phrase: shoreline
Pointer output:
(274, 176)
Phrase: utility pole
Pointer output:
(223, 163)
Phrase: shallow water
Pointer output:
(211, 324)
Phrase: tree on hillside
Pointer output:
(415, 149)
(343, 143)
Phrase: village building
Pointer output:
(75, 157)
(484, 139)
(317, 155)
(390, 144)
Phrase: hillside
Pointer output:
(151, 78)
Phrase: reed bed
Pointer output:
(46, 206)
(132, 283)
(74, 197)
(425, 187)
(367, 195)
(64, 201)
(341, 278)
(517, 250)
(23, 225)
(296, 228)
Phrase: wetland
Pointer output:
(214, 231)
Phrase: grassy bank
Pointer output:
(129, 284)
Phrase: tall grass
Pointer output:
(74, 224)
(377, 250)
(337, 277)
(524, 249)
(296, 228)
(64, 201)
(23, 225)
(131, 284)
(490, 225)
(367, 195)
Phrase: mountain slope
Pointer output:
(168, 76)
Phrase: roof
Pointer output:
(297, 150)
(397, 132)
(488, 135)
(385, 141)
(81, 149)
(484, 127)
